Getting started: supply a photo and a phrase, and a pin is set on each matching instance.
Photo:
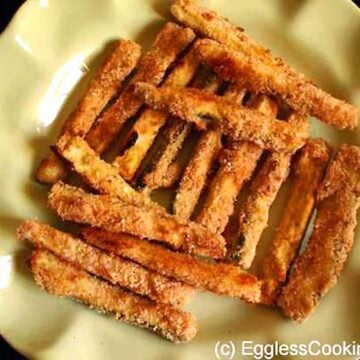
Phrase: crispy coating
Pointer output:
(237, 163)
(149, 123)
(234, 120)
(197, 170)
(254, 213)
(104, 86)
(102, 176)
(195, 174)
(309, 169)
(60, 278)
(169, 43)
(114, 269)
(167, 171)
(317, 269)
(302, 95)
(112, 214)
(221, 278)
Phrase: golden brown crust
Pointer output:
(104, 86)
(197, 170)
(223, 279)
(254, 213)
(112, 214)
(170, 41)
(116, 270)
(237, 122)
(237, 163)
(309, 169)
(317, 269)
(257, 76)
(102, 176)
(196, 173)
(60, 278)
(149, 123)
(166, 171)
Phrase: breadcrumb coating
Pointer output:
(221, 278)
(317, 270)
(112, 214)
(309, 169)
(169, 43)
(104, 86)
(257, 76)
(114, 269)
(234, 120)
(60, 278)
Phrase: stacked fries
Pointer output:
(133, 258)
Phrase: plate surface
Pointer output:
(48, 53)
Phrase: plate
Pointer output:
(48, 53)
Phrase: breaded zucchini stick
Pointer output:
(309, 169)
(166, 170)
(169, 43)
(254, 213)
(112, 214)
(221, 278)
(237, 164)
(116, 270)
(150, 121)
(196, 173)
(197, 170)
(317, 269)
(260, 77)
(102, 176)
(234, 120)
(60, 278)
(105, 85)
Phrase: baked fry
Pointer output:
(169, 43)
(308, 169)
(199, 166)
(112, 214)
(102, 176)
(221, 278)
(318, 268)
(260, 77)
(114, 269)
(167, 171)
(237, 163)
(149, 123)
(195, 174)
(60, 278)
(237, 122)
(105, 85)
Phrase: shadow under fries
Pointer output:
(41, 143)
(162, 7)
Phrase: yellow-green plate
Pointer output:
(44, 53)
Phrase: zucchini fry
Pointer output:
(60, 278)
(259, 77)
(237, 164)
(317, 269)
(105, 85)
(239, 123)
(197, 170)
(169, 43)
(222, 279)
(102, 176)
(150, 121)
(309, 169)
(112, 214)
(167, 171)
(116, 270)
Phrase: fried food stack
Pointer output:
(207, 83)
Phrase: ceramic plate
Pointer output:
(48, 53)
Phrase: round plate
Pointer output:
(48, 53)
